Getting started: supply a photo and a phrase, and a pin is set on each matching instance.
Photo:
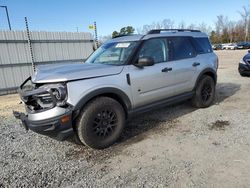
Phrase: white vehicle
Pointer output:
(229, 46)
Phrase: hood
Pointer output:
(72, 71)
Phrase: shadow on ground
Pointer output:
(170, 114)
(167, 117)
(226, 90)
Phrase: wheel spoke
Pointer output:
(206, 92)
(104, 123)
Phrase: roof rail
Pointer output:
(157, 31)
(122, 36)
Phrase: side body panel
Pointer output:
(150, 84)
(79, 89)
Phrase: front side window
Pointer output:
(155, 49)
(114, 53)
(180, 48)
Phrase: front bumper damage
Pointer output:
(51, 120)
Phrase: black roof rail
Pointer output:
(157, 31)
(122, 36)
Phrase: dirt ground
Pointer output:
(177, 146)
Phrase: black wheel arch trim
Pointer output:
(204, 72)
(123, 98)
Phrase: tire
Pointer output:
(100, 123)
(204, 92)
(242, 74)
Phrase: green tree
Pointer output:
(115, 34)
(213, 37)
(130, 30)
(124, 31)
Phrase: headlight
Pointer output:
(242, 61)
(60, 93)
(42, 97)
(53, 95)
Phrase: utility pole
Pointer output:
(29, 43)
(96, 38)
(7, 14)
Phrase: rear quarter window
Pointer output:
(202, 45)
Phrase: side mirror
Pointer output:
(145, 61)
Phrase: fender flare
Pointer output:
(105, 91)
(208, 71)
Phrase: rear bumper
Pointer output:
(54, 127)
(244, 69)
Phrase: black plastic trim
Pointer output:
(157, 31)
(128, 79)
(206, 71)
(50, 127)
(104, 91)
(161, 103)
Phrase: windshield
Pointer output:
(115, 53)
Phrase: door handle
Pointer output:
(167, 69)
(195, 64)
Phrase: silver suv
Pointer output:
(125, 76)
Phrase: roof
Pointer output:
(175, 33)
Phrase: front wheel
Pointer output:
(100, 123)
(204, 93)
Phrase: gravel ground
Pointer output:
(177, 146)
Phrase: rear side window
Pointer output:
(202, 45)
(180, 48)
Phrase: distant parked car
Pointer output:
(244, 65)
(217, 47)
(229, 46)
(243, 45)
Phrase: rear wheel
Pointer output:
(100, 123)
(204, 93)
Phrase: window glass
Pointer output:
(180, 48)
(154, 48)
(202, 45)
(114, 53)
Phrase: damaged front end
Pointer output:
(48, 112)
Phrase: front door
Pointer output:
(152, 83)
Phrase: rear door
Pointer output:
(183, 62)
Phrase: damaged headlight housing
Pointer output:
(45, 96)
(54, 95)
(60, 93)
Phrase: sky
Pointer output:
(110, 15)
